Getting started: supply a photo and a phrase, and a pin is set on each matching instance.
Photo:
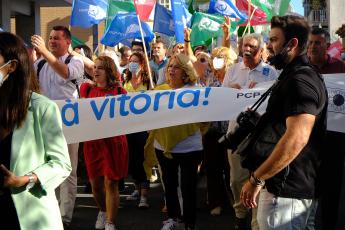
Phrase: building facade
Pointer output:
(330, 17)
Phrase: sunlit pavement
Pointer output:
(132, 218)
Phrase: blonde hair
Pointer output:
(186, 64)
(229, 55)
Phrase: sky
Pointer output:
(298, 6)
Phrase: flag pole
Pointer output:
(145, 51)
(96, 50)
(248, 24)
(249, 8)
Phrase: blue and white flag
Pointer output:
(181, 18)
(163, 21)
(124, 27)
(86, 13)
(227, 8)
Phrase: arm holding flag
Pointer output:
(88, 63)
(226, 31)
(187, 47)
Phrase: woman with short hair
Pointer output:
(179, 147)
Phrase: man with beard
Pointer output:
(242, 75)
(295, 123)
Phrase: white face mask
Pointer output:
(218, 63)
(2, 76)
(134, 67)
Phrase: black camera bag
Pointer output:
(246, 121)
(257, 146)
(260, 142)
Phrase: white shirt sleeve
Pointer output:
(75, 68)
(228, 78)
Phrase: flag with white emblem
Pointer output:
(225, 7)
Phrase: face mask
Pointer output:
(2, 76)
(278, 60)
(134, 67)
(218, 63)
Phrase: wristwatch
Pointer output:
(256, 181)
(31, 180)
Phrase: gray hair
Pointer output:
(257, 37)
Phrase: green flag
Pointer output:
(76, 41)
(191, 7)
(235, 24)
(240, 31)
(118, 6)
(272, 7)
(205, 27)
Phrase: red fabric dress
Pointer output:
(109, 156)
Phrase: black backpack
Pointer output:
(67, 61)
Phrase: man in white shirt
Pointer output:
(56, 75)
(243, 75)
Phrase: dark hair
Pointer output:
(320, 31)
(87, 50)
(138, 43)
(159, 41)
(65, 31)
(143, 72)
(123, 49)
(16, 91)
(200, 47)
(293, 27)
(110, 71)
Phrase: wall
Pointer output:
(336, 17)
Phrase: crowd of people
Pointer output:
(289, 189)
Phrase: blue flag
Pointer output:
(86, 13)
(225, 7)
(163, 21)
(125, 27)
(181, 19)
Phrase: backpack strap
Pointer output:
(88, 90)
(68, 59)
(40, 66)
(119, 90)
(74, 81)
(44, 61)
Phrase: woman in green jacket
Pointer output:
(34, 157)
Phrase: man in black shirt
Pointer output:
(296, 116)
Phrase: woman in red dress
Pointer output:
(106, 159)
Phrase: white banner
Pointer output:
(95, 118)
